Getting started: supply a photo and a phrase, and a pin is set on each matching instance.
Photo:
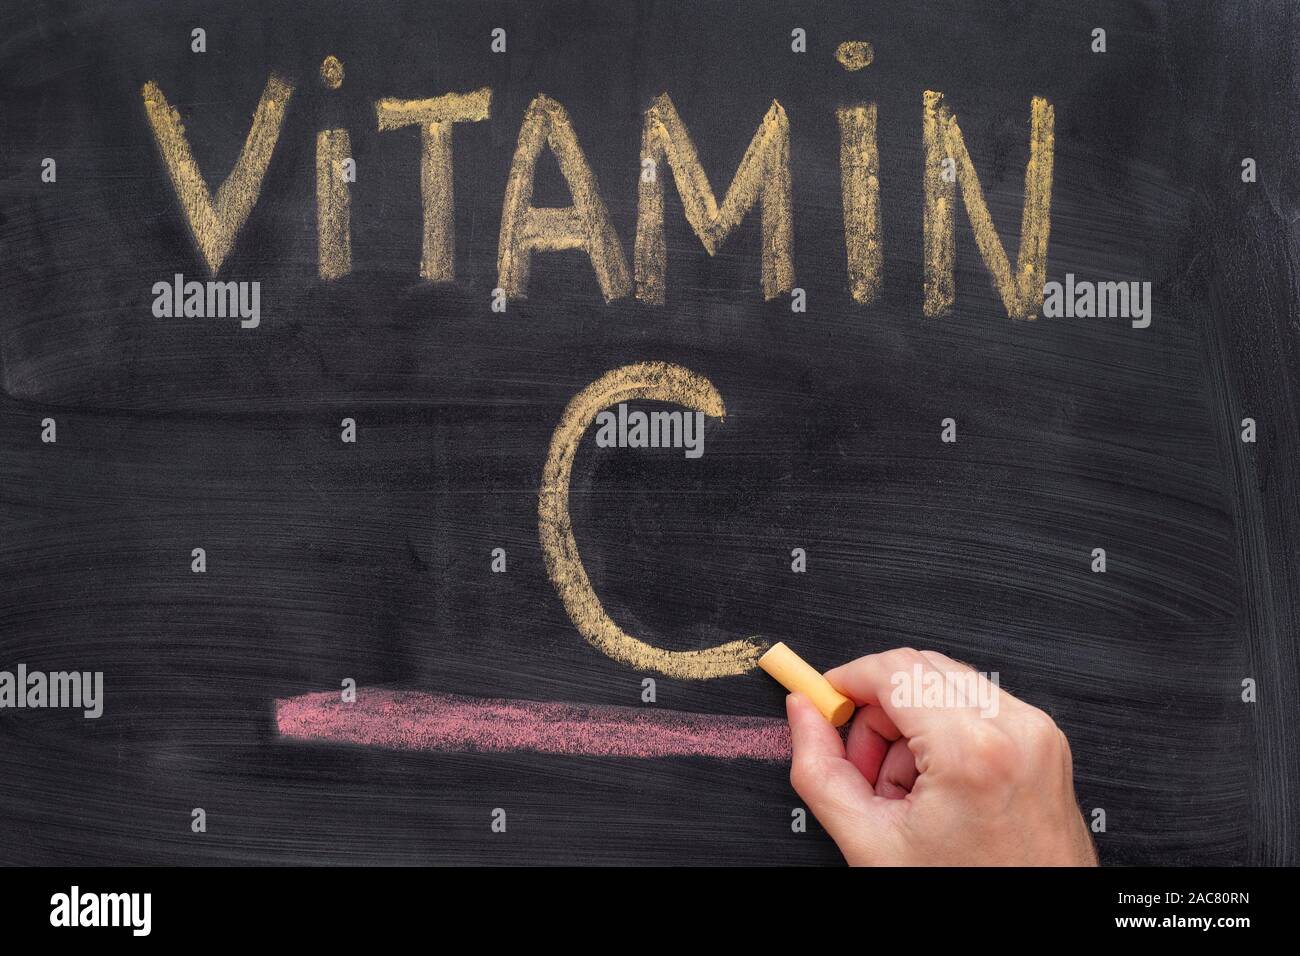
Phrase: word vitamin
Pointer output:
(56, 689)
(762, 180)
(211, 300)
(638, 429)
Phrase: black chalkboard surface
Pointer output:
(133, 433)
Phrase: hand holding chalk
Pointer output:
(976, 778)
(798, 677)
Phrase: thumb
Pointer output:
(839, 796)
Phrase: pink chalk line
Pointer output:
(409, 720)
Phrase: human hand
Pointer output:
(981, 780)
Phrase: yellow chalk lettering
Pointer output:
(215, 222)
(860, 190)
(436, 117)
(1022, 293)
(333, 205)
(647, 381)
(585, 225)
(764, 171)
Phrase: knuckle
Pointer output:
(939, 661)
(1041, 731)
(803, 776)
(1064, 743)
(902, 658)
(996, 749)
(987, 753)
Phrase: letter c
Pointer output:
(649, 381)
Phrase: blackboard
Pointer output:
(371, 561)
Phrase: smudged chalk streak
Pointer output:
(411, 720)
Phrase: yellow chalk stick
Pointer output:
(798, 676)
